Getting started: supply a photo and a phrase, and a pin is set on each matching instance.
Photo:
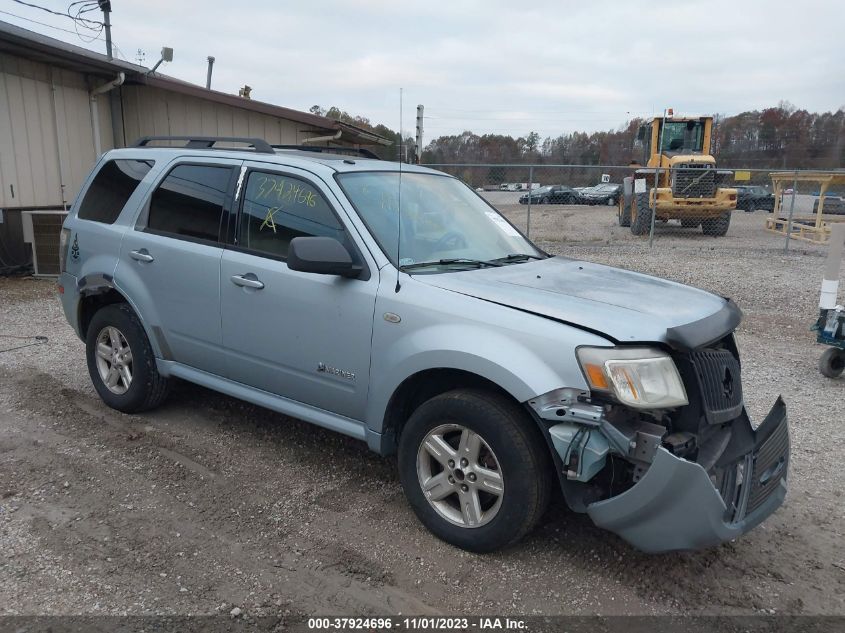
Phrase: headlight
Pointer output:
(640, 377)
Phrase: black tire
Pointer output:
(750, 207)
(690, 223)
(716, 227)
(147, 388)
(832, 362)
(522, 456)
(641, 215)
(544, 201)
(623, 213)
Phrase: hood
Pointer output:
(622, 305)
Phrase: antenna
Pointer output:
(399, 199)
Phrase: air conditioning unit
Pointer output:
(41, 229)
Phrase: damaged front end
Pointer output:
(676, 478)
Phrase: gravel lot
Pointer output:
(211, 504)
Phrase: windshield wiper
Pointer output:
(515, 257)
(455, 260)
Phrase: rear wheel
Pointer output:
(641, 215)
(474, 469)
(832, 362)
(121, 362)
(716, 226)
(544, 201)
(623, 212)
(750, 207)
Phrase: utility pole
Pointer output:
(419, 147)
(670, 112)
(105, 7)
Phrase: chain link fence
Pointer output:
(602, 204)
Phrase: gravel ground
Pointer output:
(210, 504)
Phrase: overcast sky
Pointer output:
(490, 66)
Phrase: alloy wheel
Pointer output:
(460, 475)
(114, 360)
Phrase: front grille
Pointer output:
(719, 380)
(694, 181)
(770, 466)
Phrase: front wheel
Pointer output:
(544, 201)
(716, 226)
(474, 469)
(832, 362)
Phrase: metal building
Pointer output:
(62, 105)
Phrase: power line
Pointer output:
(64, 15)
(50, 26)
(98, 36)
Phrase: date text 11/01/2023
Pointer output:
(418, 623)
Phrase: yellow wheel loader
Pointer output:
(679, 180)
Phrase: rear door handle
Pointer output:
(141, 255)
(247, 281)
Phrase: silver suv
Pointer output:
(392, 303)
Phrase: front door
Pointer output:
(303, 336)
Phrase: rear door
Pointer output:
(303, 336)
(170, 263)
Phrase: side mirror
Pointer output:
(321, 255)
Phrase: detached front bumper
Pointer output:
(675, 506)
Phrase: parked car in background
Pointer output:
(833, 204)
(519, 186)
(605, 193)
(551, 194)
(752, 197)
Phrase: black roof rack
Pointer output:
(344, 151)
(207, 142)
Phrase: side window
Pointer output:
(278, 208)
(111, 188)
(189, 202)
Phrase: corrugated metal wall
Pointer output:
(149, 111)
(47, 142)
(46, 138)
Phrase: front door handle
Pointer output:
(141, 255)
(247, 281)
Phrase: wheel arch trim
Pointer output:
(97, 284)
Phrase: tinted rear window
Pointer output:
(111, 188)
(189, 202)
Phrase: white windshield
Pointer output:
(441, 218)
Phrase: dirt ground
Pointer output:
(210, 504)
